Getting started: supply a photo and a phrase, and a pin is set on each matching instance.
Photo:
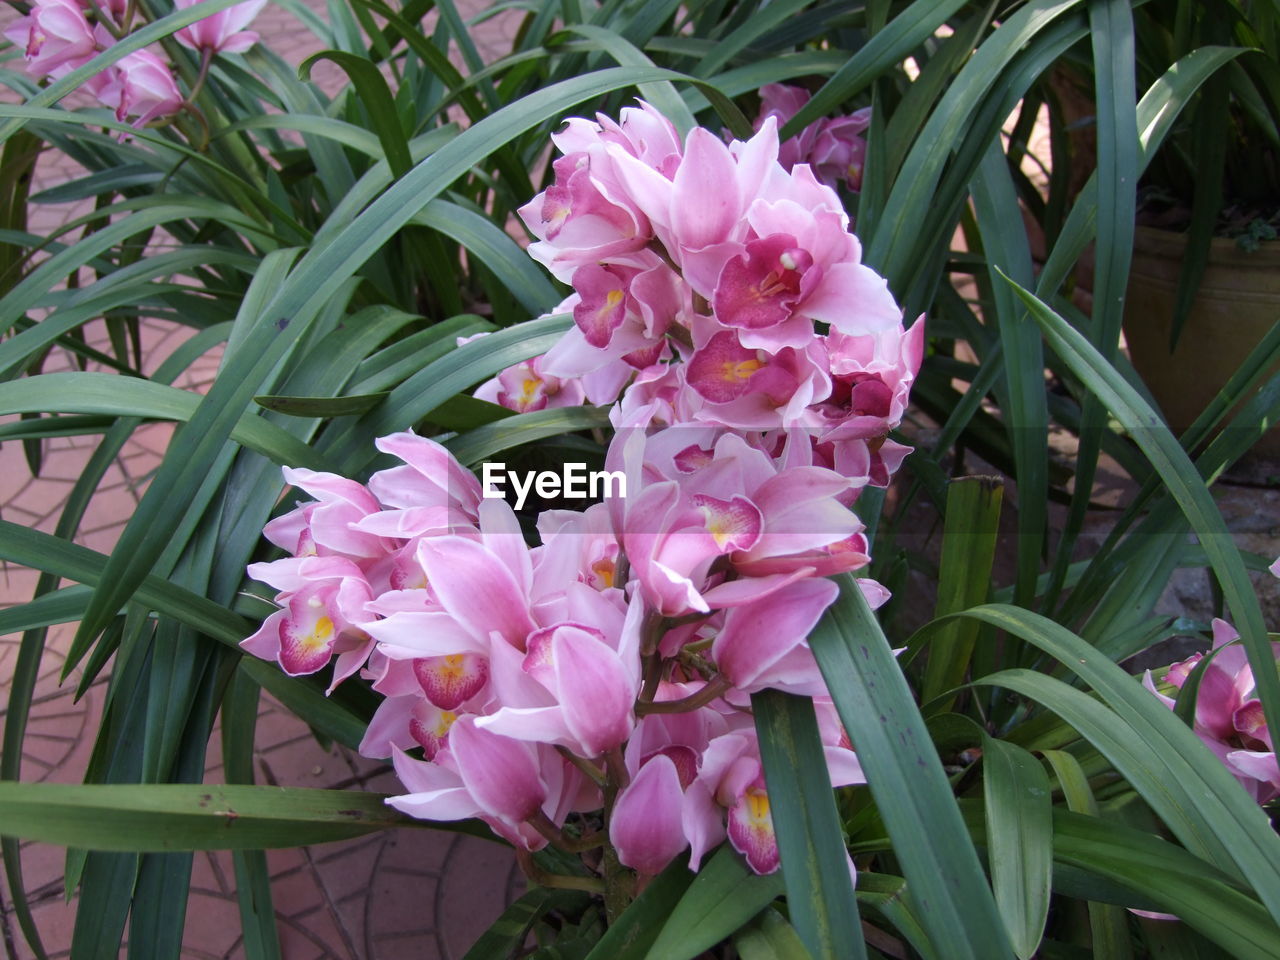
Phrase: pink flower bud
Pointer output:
(647, 825)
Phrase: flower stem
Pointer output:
(206, 58)
(584, 765)
(542, 823)
(557, 881)
(716, 687)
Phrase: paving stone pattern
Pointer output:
(410, 893)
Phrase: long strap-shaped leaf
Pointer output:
(186, 816)
(916, 23)
(1118, 864)
(1214, 802)
(1186, 486)
(135, 41)
(723, 896)
(1019, 840)
(1025, 407)
(907, 780)
(274, 326)
(1107, 922)
(805, 821)
(915, 186)
(106, 393)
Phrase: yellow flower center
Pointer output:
(445, 722)
(737, 372)
(757, 806)
(320, 634)
(605, 571)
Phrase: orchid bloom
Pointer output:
(610, 666)
(55, 37)
(322, 602)
(221, 32)
(139, 85)
(526, 387)
(1229, 717)
(834, 147)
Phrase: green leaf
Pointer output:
(1177, 882)
(915, 24)
(907, 780)
(372, 90)
(506, 935)
(888, 897)
(1157, 111)
(493, 247)
(1019, 840)
(662, 94)
(1187, 488)
(969, 538)
(253, 875)
(770, 938)
(1187, 786)
(347, 134)
(722, 897)
(306, 699)
(1023, 401)
(1107, 922)
(439, 381)
(807, 826)
(106, 393)
(915, 187)
(40, 551)
(321, 407)
(483, 442)
(634, 931)
(165, 817)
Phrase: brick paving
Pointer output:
(410, 893)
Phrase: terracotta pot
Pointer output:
(1238, 301)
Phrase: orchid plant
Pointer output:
(612, 665)
(790, 687)
(59, 36)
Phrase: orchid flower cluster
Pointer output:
(594, 691)
(59, 36)
(701, 274)
(833, 146)
(1228, 713)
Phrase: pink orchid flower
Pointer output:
(588, 215)
(763, 643)
(840, 149)
(647, 824)
(54, 37)
(782, 101)
(1229, 716)
(326, 527)
(221, 32)
(588, 672)
(480, 774)
(732, 501)
(834, 147)
(139, 85)
(871, 378)
(526, 386)
(323, 602)
(751, 388)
